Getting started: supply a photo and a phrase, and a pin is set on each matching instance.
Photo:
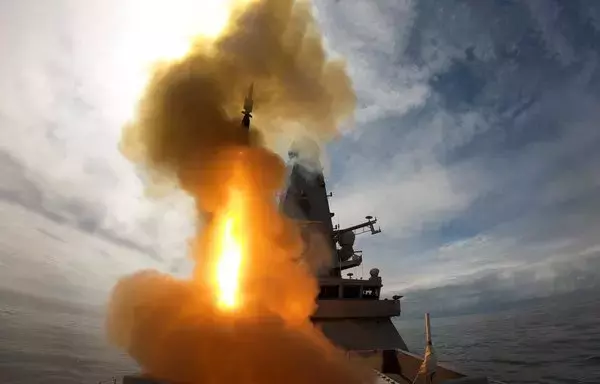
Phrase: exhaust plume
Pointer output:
(187, 130)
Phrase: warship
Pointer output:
(351, 312)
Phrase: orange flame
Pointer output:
(230, 253)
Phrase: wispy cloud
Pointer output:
(69, 81)
(491, 170)
(371, 35)
(475, 141)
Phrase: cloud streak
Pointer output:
(491, 168)
(475, 140)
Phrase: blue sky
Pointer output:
(477, 142)
(474, 141)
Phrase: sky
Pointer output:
(474, 143)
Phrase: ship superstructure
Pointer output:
(350, 311)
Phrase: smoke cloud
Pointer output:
(187, 130)
(191, 107)
(175, 333)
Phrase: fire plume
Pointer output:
(229, 253)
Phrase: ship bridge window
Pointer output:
(352, 291)
(370, 293)
(329, 292)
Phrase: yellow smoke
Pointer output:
(244, 315)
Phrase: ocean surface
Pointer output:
(45, 341)
(551, 340)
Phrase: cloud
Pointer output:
(370, 35)
(70, 265)
(69, 82)
(475, 140)
(19, 189)
(495, 289)
(406, 202)
(492, 171)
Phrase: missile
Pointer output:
(248, 105)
